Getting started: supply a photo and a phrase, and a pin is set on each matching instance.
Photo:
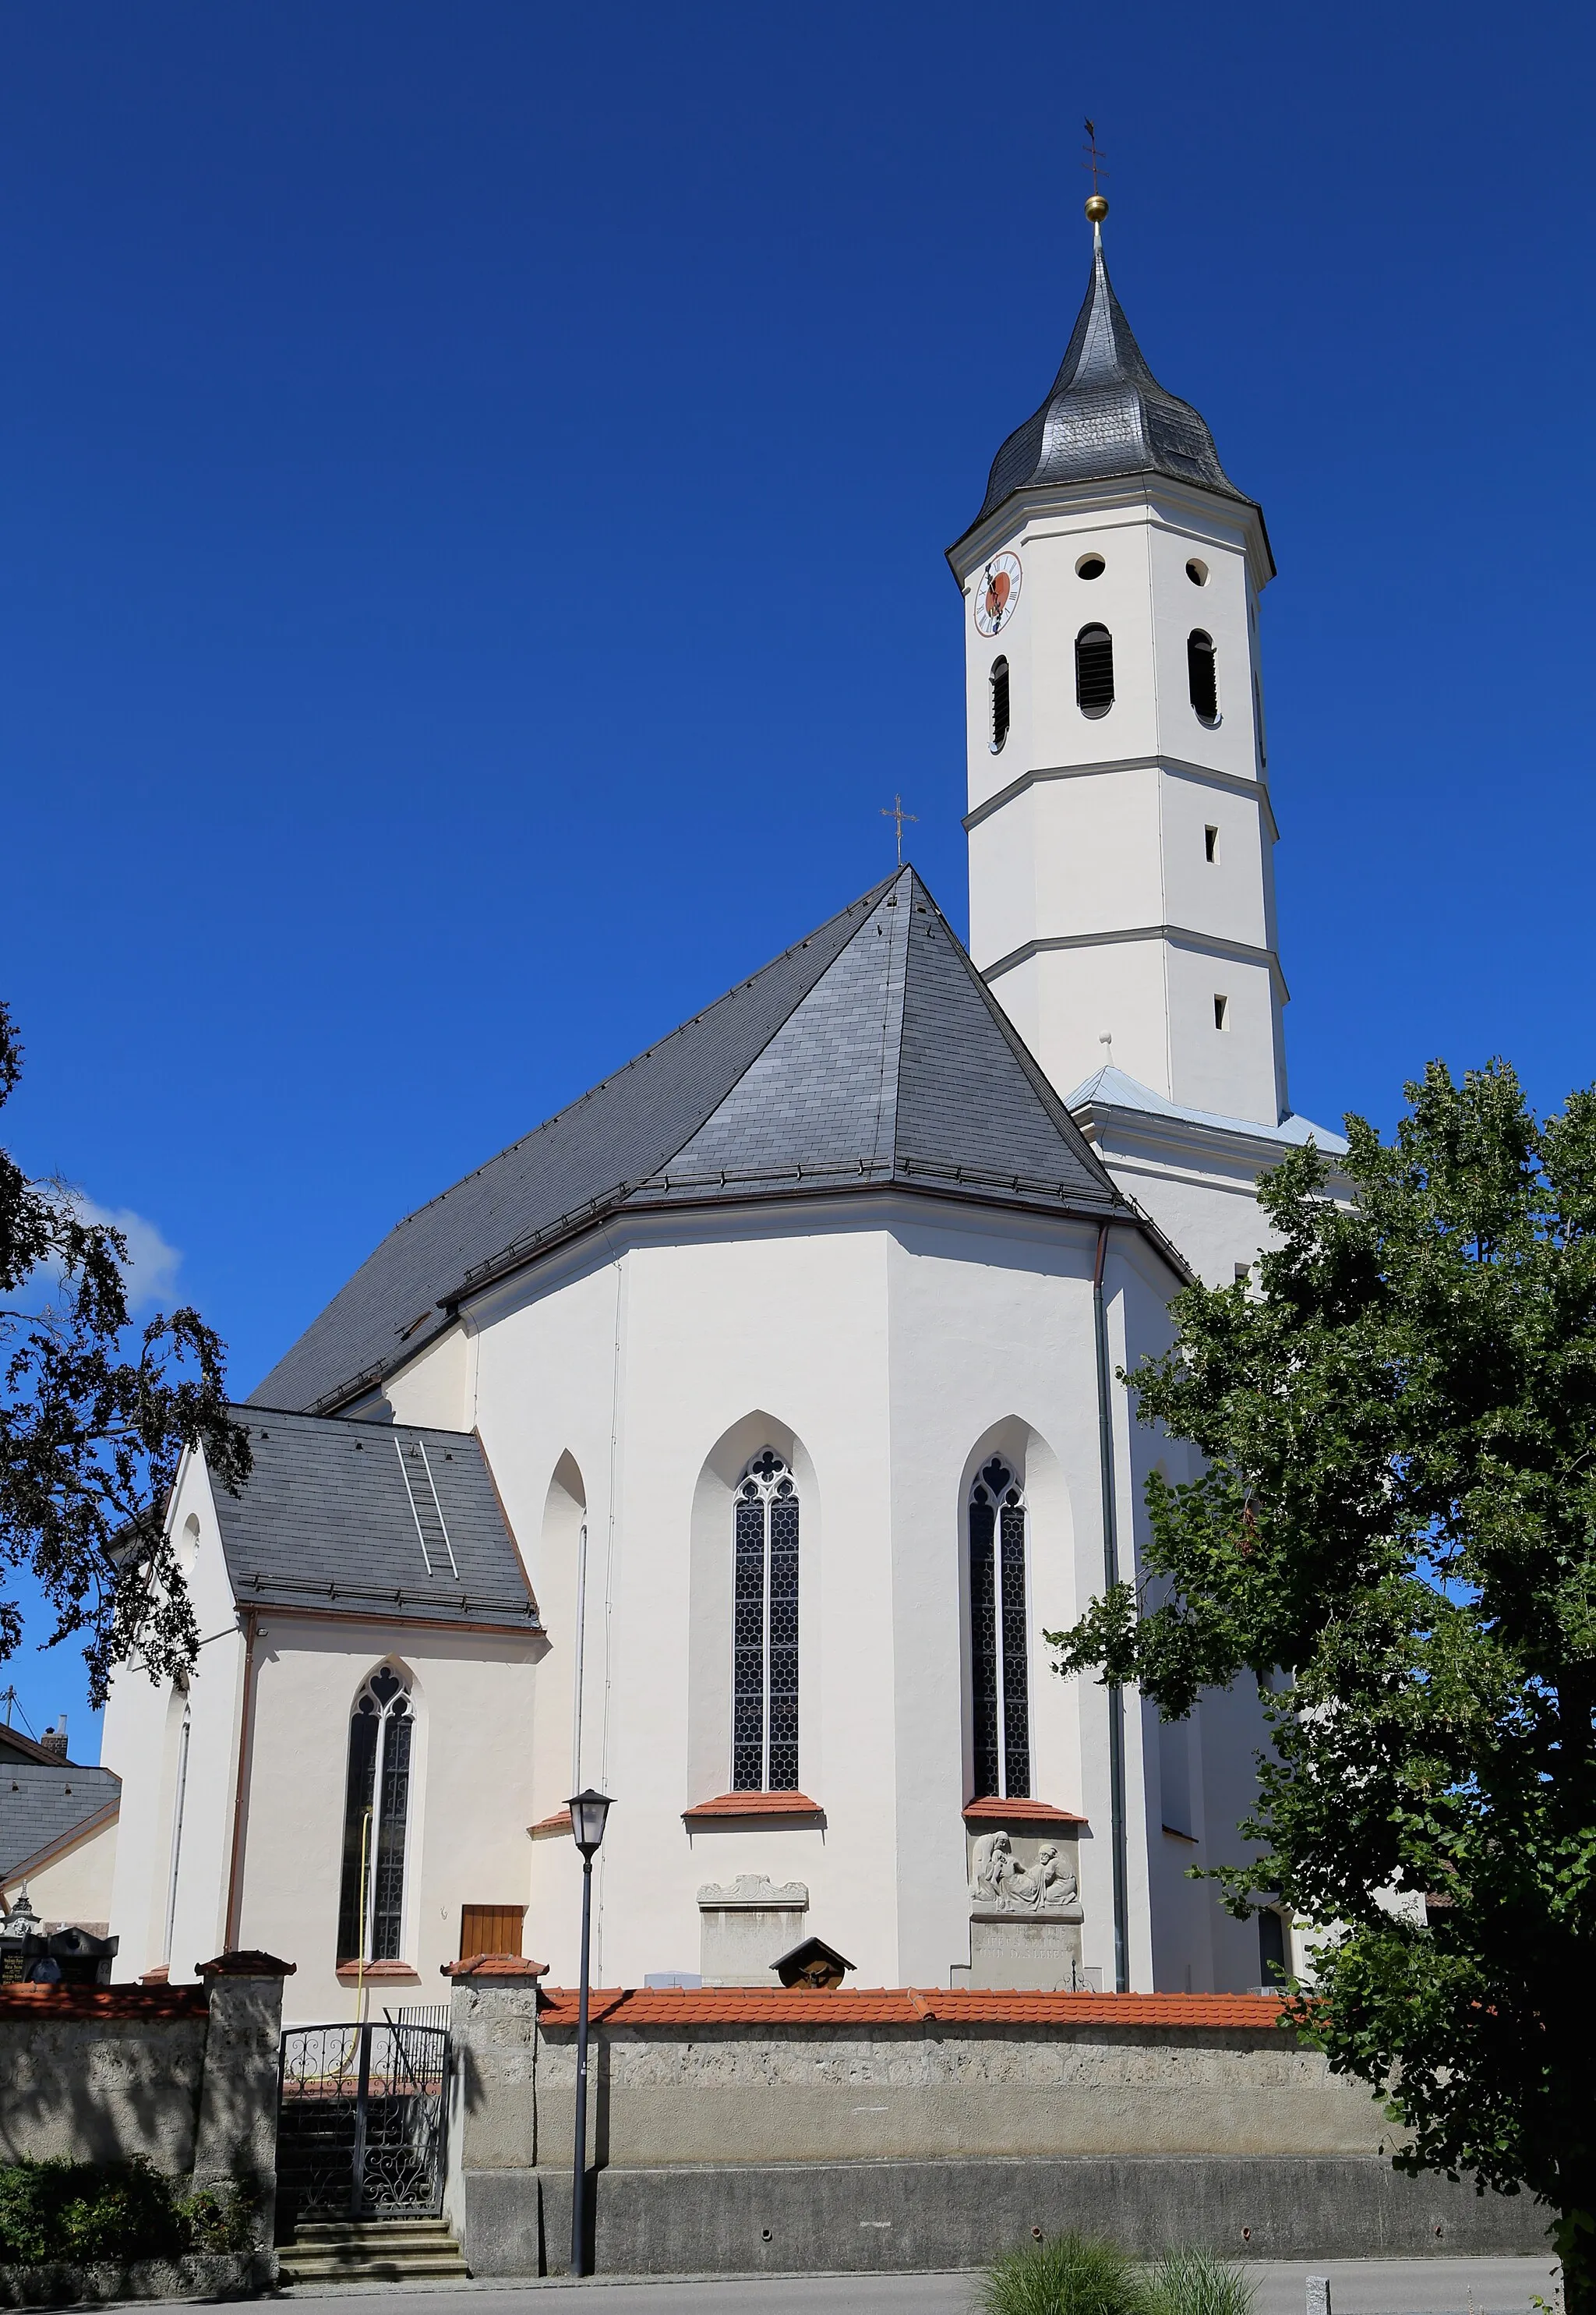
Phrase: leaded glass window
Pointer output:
(999, 1683)
(376, 1816)
(764, 1634)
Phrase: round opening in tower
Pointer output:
(1197, 572)
(1090, 567)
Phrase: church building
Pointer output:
(733, 1441)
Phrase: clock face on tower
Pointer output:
(997, 591)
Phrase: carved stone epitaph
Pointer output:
(744, 1926)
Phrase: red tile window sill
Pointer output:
(990, 1809)
(753, 1808)
(350, 1972)
(547, 1827)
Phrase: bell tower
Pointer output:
(1122, 885)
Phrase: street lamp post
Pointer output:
(589, 1810)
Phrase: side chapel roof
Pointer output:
(42, 1803)
(1105, 416)
(370, 1518)
(870, 1055)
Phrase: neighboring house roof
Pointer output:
(1110, 1090)
(367, 1518)
(15, 1746)
(1105, 416)
(871, 1055)
(42, 1805)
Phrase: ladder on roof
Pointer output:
(431, 1528)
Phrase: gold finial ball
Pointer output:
(1096, 208)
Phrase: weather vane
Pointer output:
(899, 815)
(1096, 204)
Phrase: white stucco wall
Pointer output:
(885, 1348)
(470, 1794)
(883, 1353)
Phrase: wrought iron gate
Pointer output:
(360, 2119)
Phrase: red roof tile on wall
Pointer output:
(496, 1965)
(906, 2005)
(105, 2002)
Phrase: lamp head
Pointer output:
(589, 1810)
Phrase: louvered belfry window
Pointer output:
(1095, 671)
(999, 683)
(1000, 1683)
(1202, 676)
(765, 1645)
(376, 1819)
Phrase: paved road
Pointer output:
(1372, 2286)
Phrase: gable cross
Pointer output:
(899, 815)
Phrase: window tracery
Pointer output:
(376, 1819)
(765, 1637)
(999, 1683)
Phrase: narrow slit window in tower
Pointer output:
(1221, 1012)
(1202, 676)
(1210, 843)
(1095, 671)
(998, 681)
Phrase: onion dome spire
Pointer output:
(1105, 416)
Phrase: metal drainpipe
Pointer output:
(1110, 1576)
(236, 1864)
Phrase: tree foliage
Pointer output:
(1395, 1532)
(91, 1426)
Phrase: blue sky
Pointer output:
(473, 486)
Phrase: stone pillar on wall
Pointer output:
(490, 2196)
(236, 2138)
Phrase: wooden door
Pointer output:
(489, 1930)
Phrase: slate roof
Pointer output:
(373, 1518)
(870, 1055)
(1111, 1088)
(1105, 416)
(41, 1804)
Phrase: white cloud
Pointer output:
(152, 1265)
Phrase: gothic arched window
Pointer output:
(998, 681)
(999, 1686)
(375, 1813)
(1095, 671)
(765, 1643)
(1203, 678)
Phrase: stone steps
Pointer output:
(373, 2251)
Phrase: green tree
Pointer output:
(91, 1426)
(1396, 1533)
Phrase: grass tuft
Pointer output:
(1196, 2283)
(1065, 2275)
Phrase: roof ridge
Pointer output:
(251, 1410)
(863, 902)
(866, 906)
(1041, 1084)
